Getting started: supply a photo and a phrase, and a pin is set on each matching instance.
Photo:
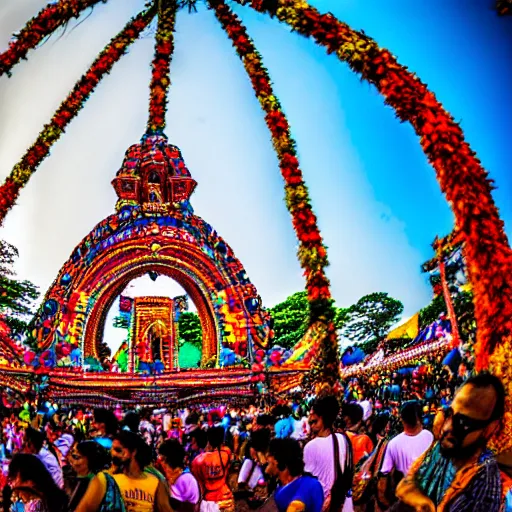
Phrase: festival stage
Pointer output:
(167, 389)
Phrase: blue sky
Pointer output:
(377, 200)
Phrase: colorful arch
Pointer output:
(460, 174)
(129, 244)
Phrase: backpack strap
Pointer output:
(349, 466)
(343, 477)
(336, 447)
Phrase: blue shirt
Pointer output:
(305, 489)
(104, 441)
(284, 428)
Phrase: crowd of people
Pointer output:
(416, 442)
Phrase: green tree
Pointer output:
(291, 318)
(431, 312)
(16, 297)
(341, 318)
(189, 328)
(370, 319)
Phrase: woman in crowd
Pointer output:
(33, 488)
(86, 459)
(130, 489)
(211, 469)
(252, 488)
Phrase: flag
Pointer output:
(408, 329)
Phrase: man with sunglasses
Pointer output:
(459, 473)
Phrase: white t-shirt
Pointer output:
(52, 465)
(300, 429)
(245, 471)
(186, 489)
(367, 409)
(319, 461)
(403, 450)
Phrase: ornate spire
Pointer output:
(154, 176)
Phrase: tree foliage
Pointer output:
(431, 312)
(341, 318)
(17, 297)
(189, 329)
(290, 319)
(370, 319)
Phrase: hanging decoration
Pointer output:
(49, 19)
(69, 109)
(460, 174)
(312, 252)
(161, 75)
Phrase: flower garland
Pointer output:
(312, 252)
(460, 174)
(50, 18)
(69, 109)
(160, 80)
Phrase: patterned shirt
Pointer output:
(473, 488)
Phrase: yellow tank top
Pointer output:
(139, 494)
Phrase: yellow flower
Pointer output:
(345, 50)
(20, 175)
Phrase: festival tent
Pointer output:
(352, 355)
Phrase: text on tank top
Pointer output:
(138, 494)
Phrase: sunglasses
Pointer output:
(464, 424)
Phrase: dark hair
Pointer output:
(215, 417)
(173, 453)
(411, 413)
(108, 418)
(31, 469)
(265, 420)
(260, 440)
(134, 443)
(192, 419)
(281, 410)
(327, 408)
(215, 436)
(379, 423)
(98, 458)
(488, 380)
(288, 455)
(200, 436)
(354, 412)
(132, 421)
(36, 437)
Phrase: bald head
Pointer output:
(484, 393)
(475, 402)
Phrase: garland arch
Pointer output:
(127, 245)
(461, 176)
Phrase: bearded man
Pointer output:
(459, 473)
